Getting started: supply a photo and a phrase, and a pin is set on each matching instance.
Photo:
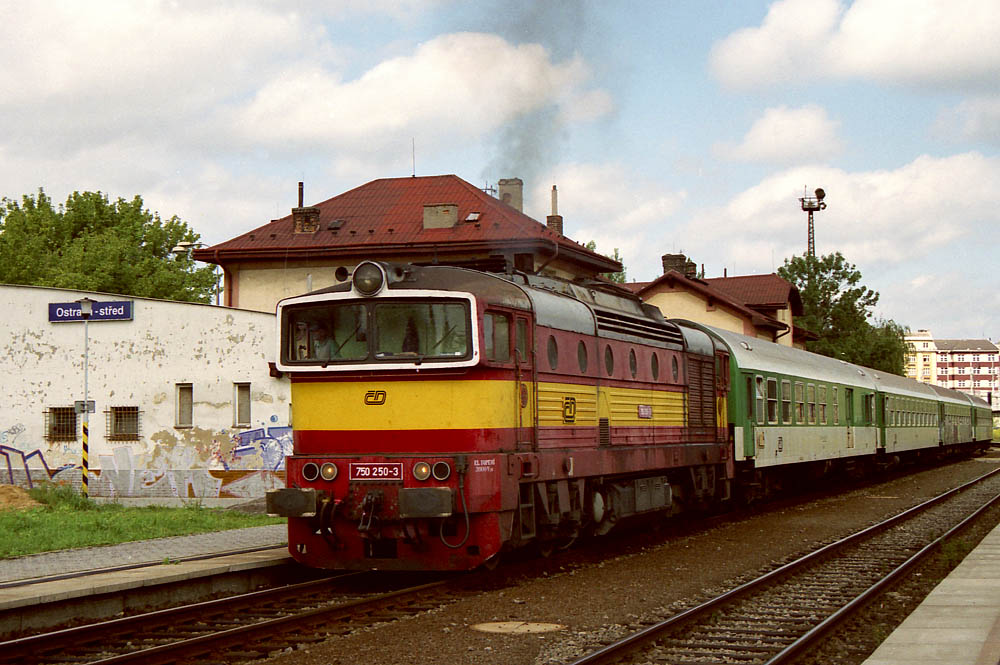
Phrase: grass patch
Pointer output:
(68, 520)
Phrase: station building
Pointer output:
(184, 403)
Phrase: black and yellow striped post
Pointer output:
(86, 451)
(86, 307)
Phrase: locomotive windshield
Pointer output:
(377, 331)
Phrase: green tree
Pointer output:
(618, 277)
(94, 244)
(837, 307)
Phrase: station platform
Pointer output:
(114, 578)
(959, 622)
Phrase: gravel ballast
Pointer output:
(602, 591)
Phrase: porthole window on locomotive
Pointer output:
(581, 356)
(609, 360)
(553, 352)
(633, 365)
(673, 367)
(654, 365)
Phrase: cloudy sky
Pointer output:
(668, 126)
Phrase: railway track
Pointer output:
(231, 629)
(781, 615)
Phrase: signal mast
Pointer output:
(811, 204)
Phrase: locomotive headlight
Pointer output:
(368, 278)
(441, 470)
(328, 471)
(421, 470)
(310, 471)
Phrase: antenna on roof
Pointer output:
(413, 156)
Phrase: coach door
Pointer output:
(849, 412)
(526, 384)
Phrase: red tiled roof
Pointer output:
(386, 217)
(700, 286)
(766, 291)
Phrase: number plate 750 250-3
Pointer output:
(376, 471)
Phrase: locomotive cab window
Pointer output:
(496, 337)
(381, 331)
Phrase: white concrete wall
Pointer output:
(139, 363)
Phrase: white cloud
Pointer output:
(876, 218)
(786, 135)
(976, 119)
(451, 88)
(611, 205)
(930, 43)
(783, 49)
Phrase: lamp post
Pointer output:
(185, 247)
(86, 309)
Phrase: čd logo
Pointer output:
(569, 409)
(375, 397)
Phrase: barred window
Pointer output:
(122, 423)
(60, 423)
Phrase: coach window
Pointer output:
(609, 360)
(633, 364)
(759, 390)
(811, 399)
(654, 366)
(581, 356)
(800, 402)
(836, 405)
(772, 401)
(822, 404)
(786, 402)
(553, 352)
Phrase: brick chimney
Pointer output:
(305, 220)
(555, 220)
(680, 263)
(511, 192)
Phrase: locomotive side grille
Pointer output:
(604, 429)
(622, 324)
(701, 391)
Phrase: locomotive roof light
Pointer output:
(328, 471)
(369, 278)
(421, 470)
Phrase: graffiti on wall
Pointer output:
(220, 464)
(17, 458)
(262, 448)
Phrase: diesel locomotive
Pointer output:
(443, 415)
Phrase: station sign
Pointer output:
(109, 310)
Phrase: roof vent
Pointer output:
(334, 225)
(440, 215)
